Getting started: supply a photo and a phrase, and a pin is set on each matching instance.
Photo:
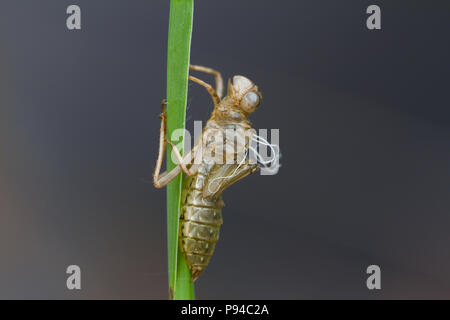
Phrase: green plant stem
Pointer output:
(179, 44)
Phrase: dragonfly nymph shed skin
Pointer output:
(201, 200)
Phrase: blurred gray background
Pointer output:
(364, 130)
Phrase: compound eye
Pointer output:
(250, 102)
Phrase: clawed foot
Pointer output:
(163, 114)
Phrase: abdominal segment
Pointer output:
(199, 232)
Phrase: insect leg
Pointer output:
(164, 178)
(181, 161)
(161, 180)
(217, 76)
(209, 88)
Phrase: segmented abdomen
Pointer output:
(200, 221)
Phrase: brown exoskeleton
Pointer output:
(207, 165)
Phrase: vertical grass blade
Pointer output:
(179, 45)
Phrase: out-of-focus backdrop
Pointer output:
(364, 123)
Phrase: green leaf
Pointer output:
(179, 45)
